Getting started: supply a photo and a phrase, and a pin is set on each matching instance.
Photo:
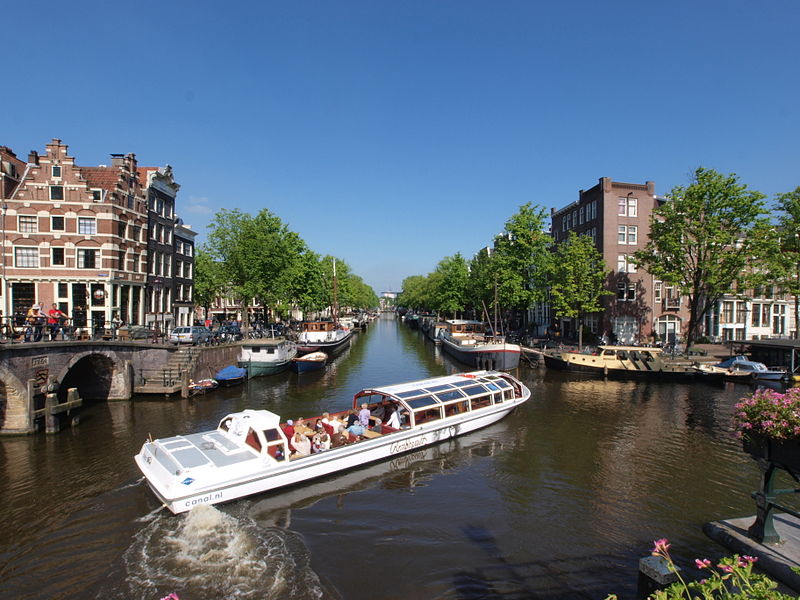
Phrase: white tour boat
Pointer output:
(249, 453)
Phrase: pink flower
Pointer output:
(726, 568)
(661, 546)
(702, 564)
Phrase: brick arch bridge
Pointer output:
(99, 371)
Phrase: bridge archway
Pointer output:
(96, 375)
(13, 402)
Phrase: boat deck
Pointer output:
(205, 449)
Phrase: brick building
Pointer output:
(183, 269)
(79, 236)
(616, 216)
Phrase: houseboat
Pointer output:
(267, 357)
(626, 362)
(323, 336)
(468, 342)
(249, 452)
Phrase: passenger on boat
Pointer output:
(364, 415)
(394, 419)
(302, 444)
(300, 425)
(337, 424)
(326, 418)
(376, 426)
(288, 431)
(356, 429)
(321, 442)
(352, 417)
(383, 411)
(318, 426)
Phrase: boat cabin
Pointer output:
(318, 326)
(260, 430)
(464, 327)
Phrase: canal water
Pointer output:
(559, 500)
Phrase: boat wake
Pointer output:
(210, 554)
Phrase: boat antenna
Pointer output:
(335, 307)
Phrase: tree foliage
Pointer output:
(703, 238)
(784, 261)
(577, 279)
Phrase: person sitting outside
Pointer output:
(376, 426)
(321, 442)
(352, 417)
(356, 429)
(302, 445)
(288, 431)
(300, 425)
(364, 415)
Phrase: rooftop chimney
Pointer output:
(33, 157)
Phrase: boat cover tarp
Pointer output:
(230, 372)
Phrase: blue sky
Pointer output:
(393, 134)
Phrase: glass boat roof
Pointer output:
(451, 388)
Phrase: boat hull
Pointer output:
(324, 463)
(258, 369)
(503, 357)
(595, 365)
(305, 366)
(330, 348)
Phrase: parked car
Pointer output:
(190, 335)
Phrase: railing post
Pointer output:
(763, 530)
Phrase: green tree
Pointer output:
(449, 285)
(257, 255)
(209, 278)
(415, 293)
(482, 278)
(784, 263)
(520, 259)
(577, 280)
(703, 239)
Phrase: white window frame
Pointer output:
(31, 224)
(83, 222)
(633, 204)
(633, 235)
(26, 257)
(80, 262)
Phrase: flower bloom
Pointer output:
(702, 564)
(661, 546)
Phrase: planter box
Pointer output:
(784, 454)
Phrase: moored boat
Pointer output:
(249, 452)
(325, 336)
(203, 385)
(627, 362)
(312, 361)
(466, 341)
(267, 357)
(231, 375)
(738, 367)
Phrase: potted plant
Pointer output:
(768, 423)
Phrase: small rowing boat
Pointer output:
(250, 453)
(309, 362)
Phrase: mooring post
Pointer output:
(51, 421)
(654, 574)
(184, 384)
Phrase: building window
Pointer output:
(62, 290)
(632, 235)
(756, 318)
(87, 225)
(622, 234)
(55, 171)
(87, 259)
(673, 299)
(622, 207)
(26, 257)
(28, 224)
(625, 264)
(657, 291)
(632, 206)
(57, 256)
(56, 192)
(626, 292)
(122, 228)
(97, 195)
(57, 223)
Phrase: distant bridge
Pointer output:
(31, 373)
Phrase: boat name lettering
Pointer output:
(204, 499)
(398, 447)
